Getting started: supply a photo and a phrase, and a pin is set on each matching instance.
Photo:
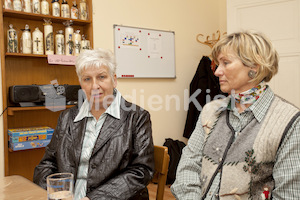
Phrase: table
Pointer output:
(19, 188)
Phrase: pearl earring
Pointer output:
(251, 74)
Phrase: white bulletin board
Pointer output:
(144, 53)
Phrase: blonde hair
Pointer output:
(253, 49)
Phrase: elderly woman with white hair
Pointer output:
(245, 146)
(106, 142)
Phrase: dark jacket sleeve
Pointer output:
(48, 164)
(135, 177)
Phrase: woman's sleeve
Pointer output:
(287, 166)
(187, 184)
(48, 164)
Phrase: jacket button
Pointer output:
(93, 166)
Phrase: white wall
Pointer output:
(187, 19)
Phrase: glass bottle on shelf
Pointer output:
(8, 4)
(36, 6)
(49, 39)
(74, 11)
(27, 6)
(60, 43)
(37, 40)
(12, 40)
(69, 44)
(85, 44)
(17, 5)
(45, 7)
(83, 14)
(65, 9)
(77, 42)
(26, 42)
(55, 8)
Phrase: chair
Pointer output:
(161, 159)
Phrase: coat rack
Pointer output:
(210, 42)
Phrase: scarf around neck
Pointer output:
(250, 96)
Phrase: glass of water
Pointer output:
(60, 186)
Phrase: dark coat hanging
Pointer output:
(203, 79)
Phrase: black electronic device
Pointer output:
(71, 92)
(24, 93)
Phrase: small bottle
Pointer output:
(27, 6)
(49, 39)
(65, 9)
(36, 6)
(12, 40)
(77, 43)
(55, 8)
(69, 31)
(26, 43)
(37, 40)
(45, 7)
(83, 10)
(17, 5)
(60, 43)
(85, 44)
(74, 11)
(8, 4)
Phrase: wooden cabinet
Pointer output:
(27, 69)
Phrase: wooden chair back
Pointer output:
(161, 159)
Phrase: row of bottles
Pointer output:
(43, 7)
(72, 43)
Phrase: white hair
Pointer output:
(95, 59)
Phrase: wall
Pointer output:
(187, 19)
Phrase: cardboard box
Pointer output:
(28, 145)
(31, 131)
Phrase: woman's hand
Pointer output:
(85, 198)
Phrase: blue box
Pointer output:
(35, 144)
(31, 131)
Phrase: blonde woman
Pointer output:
(245, 142)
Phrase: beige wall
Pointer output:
(187, 19)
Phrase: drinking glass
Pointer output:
(60, 186)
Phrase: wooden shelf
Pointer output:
(28, 69)
(40, 17)
(25, 55)
(11, 110)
